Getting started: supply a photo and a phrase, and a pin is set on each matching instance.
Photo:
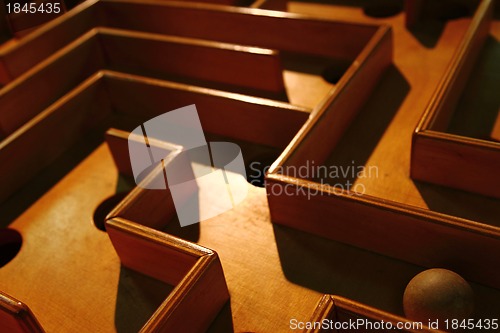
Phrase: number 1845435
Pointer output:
(32, 8)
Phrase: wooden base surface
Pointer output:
(273, 273)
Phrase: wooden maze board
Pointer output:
(369, 80)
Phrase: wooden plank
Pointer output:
(447, 95)
(232, 115)
(446, 159)
(118, 142)
(200, 290)
(207, 62)
(16, 317)
(363, 220)
(17, 58)
(44, 84)
(92, 102)
(291, 33)
(159, 203)
(343, 103)
(343, 312)
(255, 281)
(457, 162)
(48, 134)
(85, 56)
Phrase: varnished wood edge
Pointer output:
(388, 205)
(99, 6)
(141, 189)
(159, 319)
(458, 139)
(21, 312)
(110, 76)
(87, 37)
(424, 131)
(4, 50)
(323, 311)
(236, 10)
(81, 88)
(158, 237)
(329, 305)
(94, 34)
(185, 40)
(382, 33)
(345, 304)
(126, 137)
(481, 18)
(205, 91)
(206, 260)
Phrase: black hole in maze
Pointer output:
(332, 74)
(382, 10)
(257, 168)
(10, 244)
(104, 208)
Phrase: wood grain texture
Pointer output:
(278, 273)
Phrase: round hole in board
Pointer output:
(10, 244)
(104, 208)
(382, 10)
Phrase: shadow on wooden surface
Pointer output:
(223, 323)
(434, 16)
(39, 185)
(190, 232)
(479, 104)
(138, 297)
(376, 9)
(365, 132)
(463, 204)
(332, 267)
(378, 281)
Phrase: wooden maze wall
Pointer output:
(405, 91)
